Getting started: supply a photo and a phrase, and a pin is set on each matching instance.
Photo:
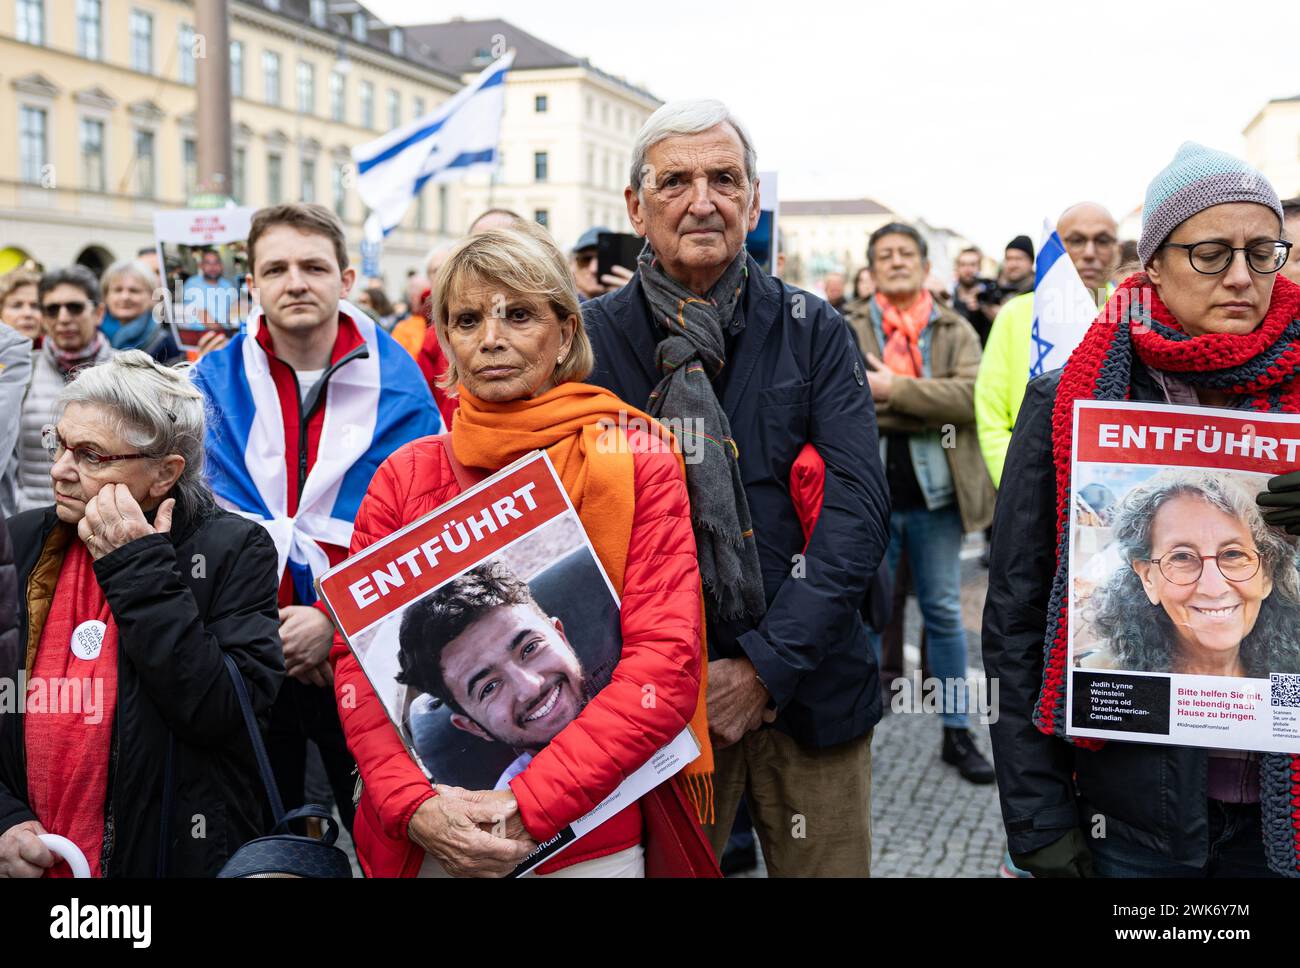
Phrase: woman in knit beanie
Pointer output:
(1209, 322)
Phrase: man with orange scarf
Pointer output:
(923, 359)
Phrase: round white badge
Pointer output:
(88, 639)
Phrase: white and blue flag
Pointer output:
(374, 403)
(1063, 307)
(458, 137)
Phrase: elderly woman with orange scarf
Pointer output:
(507, 315)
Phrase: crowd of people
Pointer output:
(169, 507)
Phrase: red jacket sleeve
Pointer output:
(395, 785)
(433, 364)
(654, 688)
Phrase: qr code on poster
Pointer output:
(1285, 690)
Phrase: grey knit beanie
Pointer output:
(1195, 180)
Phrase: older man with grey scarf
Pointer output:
(764, 385)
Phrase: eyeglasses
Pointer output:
(53, 309)
(584, 259)
(1078, 243)
(1211, 258)
(1184, 568)
(87, 460)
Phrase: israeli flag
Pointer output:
(374, 403)
(459, 137)
(1063, 307)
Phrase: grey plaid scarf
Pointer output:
(688, 358)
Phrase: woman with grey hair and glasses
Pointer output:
(135, 584)
(133, 318)
(1207, 589)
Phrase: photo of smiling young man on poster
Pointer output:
(505, 669)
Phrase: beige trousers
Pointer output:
(811, 808)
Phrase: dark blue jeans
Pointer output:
(932, 540)
(1236, 849)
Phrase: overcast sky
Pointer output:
(983, 117)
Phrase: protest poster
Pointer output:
(485, 627)
(203, 254)
(1184, 606)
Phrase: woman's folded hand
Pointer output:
(471, 833)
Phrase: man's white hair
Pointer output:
(688, 117)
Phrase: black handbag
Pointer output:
(282, 853)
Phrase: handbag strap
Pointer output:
(168, 805)
(255, 737)
(465, 478)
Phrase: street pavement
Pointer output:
(926, 820)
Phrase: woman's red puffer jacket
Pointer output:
(614, 735)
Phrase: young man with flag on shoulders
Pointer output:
(307, 404)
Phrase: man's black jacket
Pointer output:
(179, 600)
(792, 376)
(1154, 796)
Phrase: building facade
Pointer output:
(566, 134)
(828, 235)
(99, 97)
(1273, 144)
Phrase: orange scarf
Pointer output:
(902, 350)
(599, 479)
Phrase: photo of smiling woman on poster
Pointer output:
(1206, 587)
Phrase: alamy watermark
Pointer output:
(36, 695)
(914, 694)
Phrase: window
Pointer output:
(186, 44)
(539, 104)
(604, 115)
(142, 41)
(338, 96)
(92, 155)
(90, 33)
(274, 178)
(359, 27)
(190, 164)
(591, 172)
(540, 166)
(588, 107)
(271, 77)
(145, 167)
(31, 21)
(396, 42)
(442, 208)
(33, 145)
(307, 179)
(420, 213)
(236, 68)
(367, 104)
(542, 217)
(618, 119)
(394, 109)
(419, 107)
(339, 189)
(318, 12)
(238, 183)
(306, 88)
(604, 170)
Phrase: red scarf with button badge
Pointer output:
(71, 700)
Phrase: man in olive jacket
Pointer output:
(922, 359)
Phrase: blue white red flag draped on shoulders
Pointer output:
(375, 402)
